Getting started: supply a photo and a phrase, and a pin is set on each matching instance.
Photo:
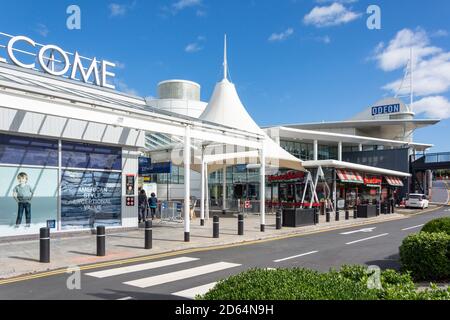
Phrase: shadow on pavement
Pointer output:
(391, 262)
(119, 294)
(83, 253)
(25, 259)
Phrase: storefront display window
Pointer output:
(28, 199)
(28, 151)
(88, 156)
(90, 198)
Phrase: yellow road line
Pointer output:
(194, 250)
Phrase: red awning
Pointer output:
(350, 176)
(394, 181)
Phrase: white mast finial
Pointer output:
(225, 60)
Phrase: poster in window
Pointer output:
(28, 199)
(90, 198)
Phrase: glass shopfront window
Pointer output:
(303, 151)
(89, 156)
(90, 189)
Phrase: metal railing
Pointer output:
(434, 157)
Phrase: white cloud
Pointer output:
(42, 29)
(117, 10)
(431, 67)
(183, 4)
(433, 107)
(324, 39)
(431, 64)
(332, 15)
(281, 36)
(195, 46)
(339, 1)
(123, 87)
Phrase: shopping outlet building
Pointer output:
(72, 148)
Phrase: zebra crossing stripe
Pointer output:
(193, 292)
(140, 267)
(180, 275)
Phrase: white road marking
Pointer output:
(125, 299)
(367, 230)
(193, 292)
(415, 227)
(140, 267)
(374, 237)
(297, 256)
(180, 275)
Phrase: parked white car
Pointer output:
(417, 201)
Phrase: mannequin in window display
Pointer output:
(23, 194)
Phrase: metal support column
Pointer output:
(187, 184)
(262, 195)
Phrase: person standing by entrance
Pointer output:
(143, 206)
(153, 202)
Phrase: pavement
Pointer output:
(22, 258)
(184, 274)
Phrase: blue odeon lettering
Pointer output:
(70, 64)
(391, 108)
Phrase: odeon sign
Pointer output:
(69, 66)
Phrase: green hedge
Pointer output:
(350, 283)
(438, 225)
(289, 284)
(426, 256)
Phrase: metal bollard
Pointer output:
(148, 235)
(316, 215)
(101, 241)
(392, 206)
(337, 214)
(240, 224)
(216, 227)
(44, 245)
(224, 212)
(328, 215)
(347, 214)
(355, 212)
(202, 222)
(279, 225)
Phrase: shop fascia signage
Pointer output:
(387, 109)
(292, 175)
(71, 64)
(372, 181)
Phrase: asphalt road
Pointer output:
(184, 276)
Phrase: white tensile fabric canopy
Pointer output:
(226, 108)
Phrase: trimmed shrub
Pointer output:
(289, 284)
(438, 225)
(350, 283)
(426, 256)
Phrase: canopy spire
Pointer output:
(225, 60)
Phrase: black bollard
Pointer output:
(202, 222)
(224, 212)
(44, 245)
(216, 227)
(240, 224)
(337, 214)
(316, 215)
(101, 241)
(355, 212)
(278, 220)
(347, 214)
(148, 235)
(263, 228)
(328, 217)
(392, 206)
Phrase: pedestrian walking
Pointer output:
(143, 206)
(153, 203)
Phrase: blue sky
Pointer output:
(293, 61)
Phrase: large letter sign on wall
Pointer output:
(78, 66)
(63, 66)
(11, 55)
(51, 70)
